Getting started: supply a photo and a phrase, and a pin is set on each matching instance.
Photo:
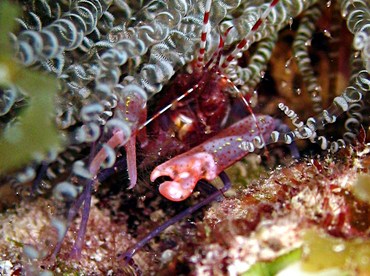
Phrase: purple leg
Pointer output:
(227, 184)
(71, 215)
(77, 247)
(85, 200)
(86, 195)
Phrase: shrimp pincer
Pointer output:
(213, 156)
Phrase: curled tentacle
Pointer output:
(300, 46)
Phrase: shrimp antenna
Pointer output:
(199, 64)
(189, 91)
(167, 107)
(248, 39)
(203, 37)
(218, 54)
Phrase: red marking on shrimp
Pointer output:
(204, 35)
(274, 3)
(249, 37)
(206, 17)
(256, 26)
(210, 158)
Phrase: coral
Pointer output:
(97, 93)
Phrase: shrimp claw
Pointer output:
(185, 171)
(213, 156)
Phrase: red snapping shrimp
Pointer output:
(200, 113)
(213, 156)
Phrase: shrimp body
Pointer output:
(213, 156)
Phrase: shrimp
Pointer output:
(210, 158)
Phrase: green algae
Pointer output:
(273, 267)
(33, 133)
(243, 172)
(322, 251)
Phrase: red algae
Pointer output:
(268, 218)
